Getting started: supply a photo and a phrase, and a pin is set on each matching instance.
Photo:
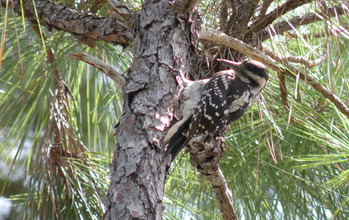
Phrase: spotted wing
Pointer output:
(213, 107)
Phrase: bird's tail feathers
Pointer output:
(177, 141)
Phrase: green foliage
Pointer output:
(32, 112)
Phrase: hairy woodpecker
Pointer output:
(211, 105)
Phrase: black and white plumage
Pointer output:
(211, 105)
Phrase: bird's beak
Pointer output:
(231, 64)
(228, 62)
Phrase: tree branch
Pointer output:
(236, 44)
(122, 13)
(245, 10)
(283, 26)
(233, 16)
(223, 194)
(81, 24)
(278, 12)
(102, 66)
(183, 6)
(205, 154)
(263, 10)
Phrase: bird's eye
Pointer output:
(250, 66)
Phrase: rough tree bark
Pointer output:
(162, 48)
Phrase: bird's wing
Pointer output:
(213, 106)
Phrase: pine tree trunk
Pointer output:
(162, 48)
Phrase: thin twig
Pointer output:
(343, 30)
(96, 5)
(59, 133)
(283, 90)
(102, 66)
(297, 59)
(290, 71)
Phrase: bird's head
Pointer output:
(250, 71)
